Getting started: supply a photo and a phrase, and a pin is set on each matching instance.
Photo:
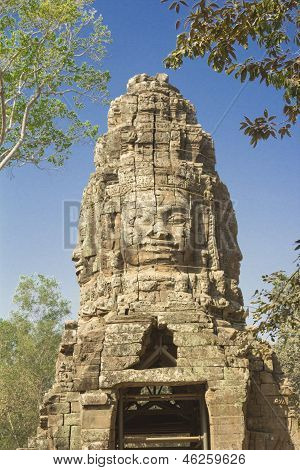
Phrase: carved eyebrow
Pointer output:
(174, 210)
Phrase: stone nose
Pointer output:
(76, 255)
(159, 231)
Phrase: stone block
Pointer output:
(61, 432)
(72, 396)
(94, 435)
(75, 439)
(222, 442)
(200, 361)
(237, 362)
(227, 395)
(185, 327)
(86, 383)
(95, 335)
(178, 317)
(172, 375)
(56, 408)
(36, 443)
(61, 443)
(193, 339)
(87, 370)
(94, 398)
(210, 373)
(121, 349)
(75, 407)
(226, 335)
(205, 352)
(118, 363)
(225, 410)
(236, 375)
(72, 419)
(69, 336)
(97, 419)
(82, 349)
(55, 420)
(100, 445)
(232, 424)
(124, 338)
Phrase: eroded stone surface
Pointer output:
(158, 251)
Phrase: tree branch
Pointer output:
(70, 90)
(11, 60)
(11, 119)
(15, 148)
(3, 110)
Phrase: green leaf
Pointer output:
(243, 75)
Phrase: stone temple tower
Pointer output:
(160, 356)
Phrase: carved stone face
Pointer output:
(85, 250)
(155, 227)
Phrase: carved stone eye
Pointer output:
(177, 219)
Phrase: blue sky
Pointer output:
(263, 182)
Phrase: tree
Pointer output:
(265, 28)
(49, 50)
(29, 342)
(277, 315)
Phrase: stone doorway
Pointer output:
(162, 416)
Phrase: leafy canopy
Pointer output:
(29, 342)
(221, 31)
(50, 64)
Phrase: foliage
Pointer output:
(29, 341)
(279, 307)
(49, 51)
(222, 31)
(278, 315)
(287, 348)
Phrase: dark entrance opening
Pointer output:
(162, 417)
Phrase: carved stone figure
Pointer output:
(161, 355)
(156, 202)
